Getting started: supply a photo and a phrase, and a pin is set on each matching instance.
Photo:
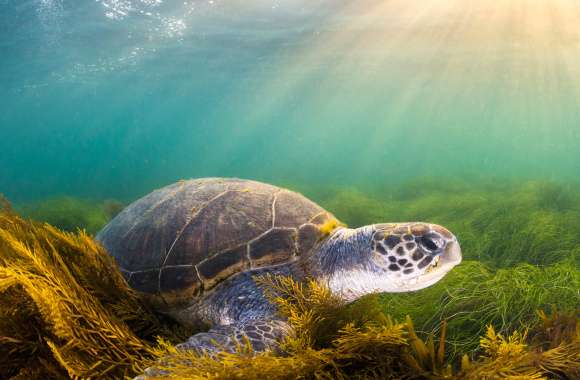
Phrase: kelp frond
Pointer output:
(425, 357)
(512, 358)
(311, 308)
(557, 327)
(64, 303)
(369, 350)
(498, 347)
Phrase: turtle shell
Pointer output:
(182, 240)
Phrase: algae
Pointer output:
(383, 349)
(510, 310)
(66, 310)
(473, 296)
(69, 213)
(498, 223)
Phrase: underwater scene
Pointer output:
(289, 189)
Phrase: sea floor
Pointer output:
(511, 308)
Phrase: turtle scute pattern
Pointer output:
(184, 239)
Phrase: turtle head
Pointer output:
(393, 258)
(414, 255)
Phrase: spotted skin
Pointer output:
(410, 246)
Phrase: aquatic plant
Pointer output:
(70, 214)
(498, 223)
(382, 349)
(66, 312)
(112, 207)
(512, 358)
(473, 296)
(65, 309)
(310, 308)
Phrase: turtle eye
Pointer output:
(431, 242)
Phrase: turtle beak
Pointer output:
(443, 263)
(452, 255)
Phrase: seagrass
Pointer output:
(66, 312)
(383, 349)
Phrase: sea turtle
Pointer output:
(192, 249)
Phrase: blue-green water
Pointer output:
(464, 113)
(111, 98)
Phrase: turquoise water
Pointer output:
(111, 98)
(464, 113)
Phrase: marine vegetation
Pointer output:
(70, 214)
(381, 349)
(473, 296)
(66, 311)
(498, 223)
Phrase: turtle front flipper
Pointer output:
(261, 334)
